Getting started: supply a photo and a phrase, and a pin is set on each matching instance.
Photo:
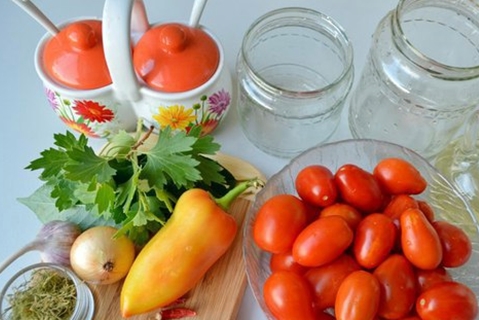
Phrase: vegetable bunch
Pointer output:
(125, 185)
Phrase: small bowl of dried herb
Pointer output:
(46, 291)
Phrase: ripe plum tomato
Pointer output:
(456, 245)
(288, 296)
(428, 278)
(359, 188)
(347, 212)
(325, 280)
(420, 242)
(315, 185)
(285, 262)
(321, 315)
(398, 204)
(398, 176)
(426, 209)
(447, 301)
(358, 297)
(278, 222)
(397, 281)
(374, 239)
(322, 241)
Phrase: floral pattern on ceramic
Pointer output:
(90, 117)
(207, 113)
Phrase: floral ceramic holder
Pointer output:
(167, 74)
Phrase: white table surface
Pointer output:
(28, 123)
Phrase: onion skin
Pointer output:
(99, 258)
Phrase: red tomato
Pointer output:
(398, 205)
(315, 185)
(324, 316)
(347, 212)
(312, 212)
(326, 279)
(398, 176)
(359, 188)
(358, 297)
(410, 318)
(447, 301)
(285, 262)
(426, 209)
(427, 278)
(322, 241)
(374, 239)
(288, 296)
(456, 245)
(419, 240)
(398, 287)
(278, 222)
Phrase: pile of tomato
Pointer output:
(361, 245)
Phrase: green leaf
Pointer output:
(85, 165)
(51, 161)
(105, 197)
(68, 141)
(206, 145)
(211, 171)
(168, 161)
(64, 193)
(43, 206)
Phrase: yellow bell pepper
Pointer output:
(196, 235)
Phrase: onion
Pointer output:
(98, 257)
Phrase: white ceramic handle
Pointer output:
(116, 29)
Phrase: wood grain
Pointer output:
(218, 295)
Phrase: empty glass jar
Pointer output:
(421, 79)
(294, 71)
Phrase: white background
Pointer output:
(28, 123)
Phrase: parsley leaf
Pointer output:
(168, 161)
(84, 165)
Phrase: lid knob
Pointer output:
(81, 36)
(172, 38)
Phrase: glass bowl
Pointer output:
(84, 304)
(446, 200)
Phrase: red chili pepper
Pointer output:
(176, 313)
(197, 234)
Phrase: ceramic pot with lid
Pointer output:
(173, 74)
(73, 69)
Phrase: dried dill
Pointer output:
(47, 295)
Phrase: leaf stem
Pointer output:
(142, 140)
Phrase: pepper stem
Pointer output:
(225, 201)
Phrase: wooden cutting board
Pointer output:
(218, 295)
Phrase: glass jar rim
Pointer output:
(82, 290)
(318, 19)
(420, 59)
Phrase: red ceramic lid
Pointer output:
(75, 58)
(174, 57)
